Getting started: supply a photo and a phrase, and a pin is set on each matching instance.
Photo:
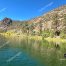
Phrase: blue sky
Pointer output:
(27, 9)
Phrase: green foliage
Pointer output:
(51, 33)
(63, 35)
(46, 33)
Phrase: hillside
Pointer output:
(54, 20)
(52, 23)
(58, 14)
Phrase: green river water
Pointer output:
(30, 52)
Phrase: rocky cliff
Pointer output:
(54, 20)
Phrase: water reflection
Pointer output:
(44, 52)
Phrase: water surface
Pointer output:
(30, 52)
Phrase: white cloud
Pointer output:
(43, 8)
(3, 9)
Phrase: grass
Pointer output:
(18, 35)
(49, 39)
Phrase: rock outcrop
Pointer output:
(6, 21)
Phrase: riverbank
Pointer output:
(49, 39)
(17, 35)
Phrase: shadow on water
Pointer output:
(42, 52)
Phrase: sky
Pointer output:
(27, 9)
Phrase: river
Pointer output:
(30, 52)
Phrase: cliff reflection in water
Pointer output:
(45, 52)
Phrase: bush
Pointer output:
(62, 35)
(46, 33)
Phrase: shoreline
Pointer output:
(22, 36)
